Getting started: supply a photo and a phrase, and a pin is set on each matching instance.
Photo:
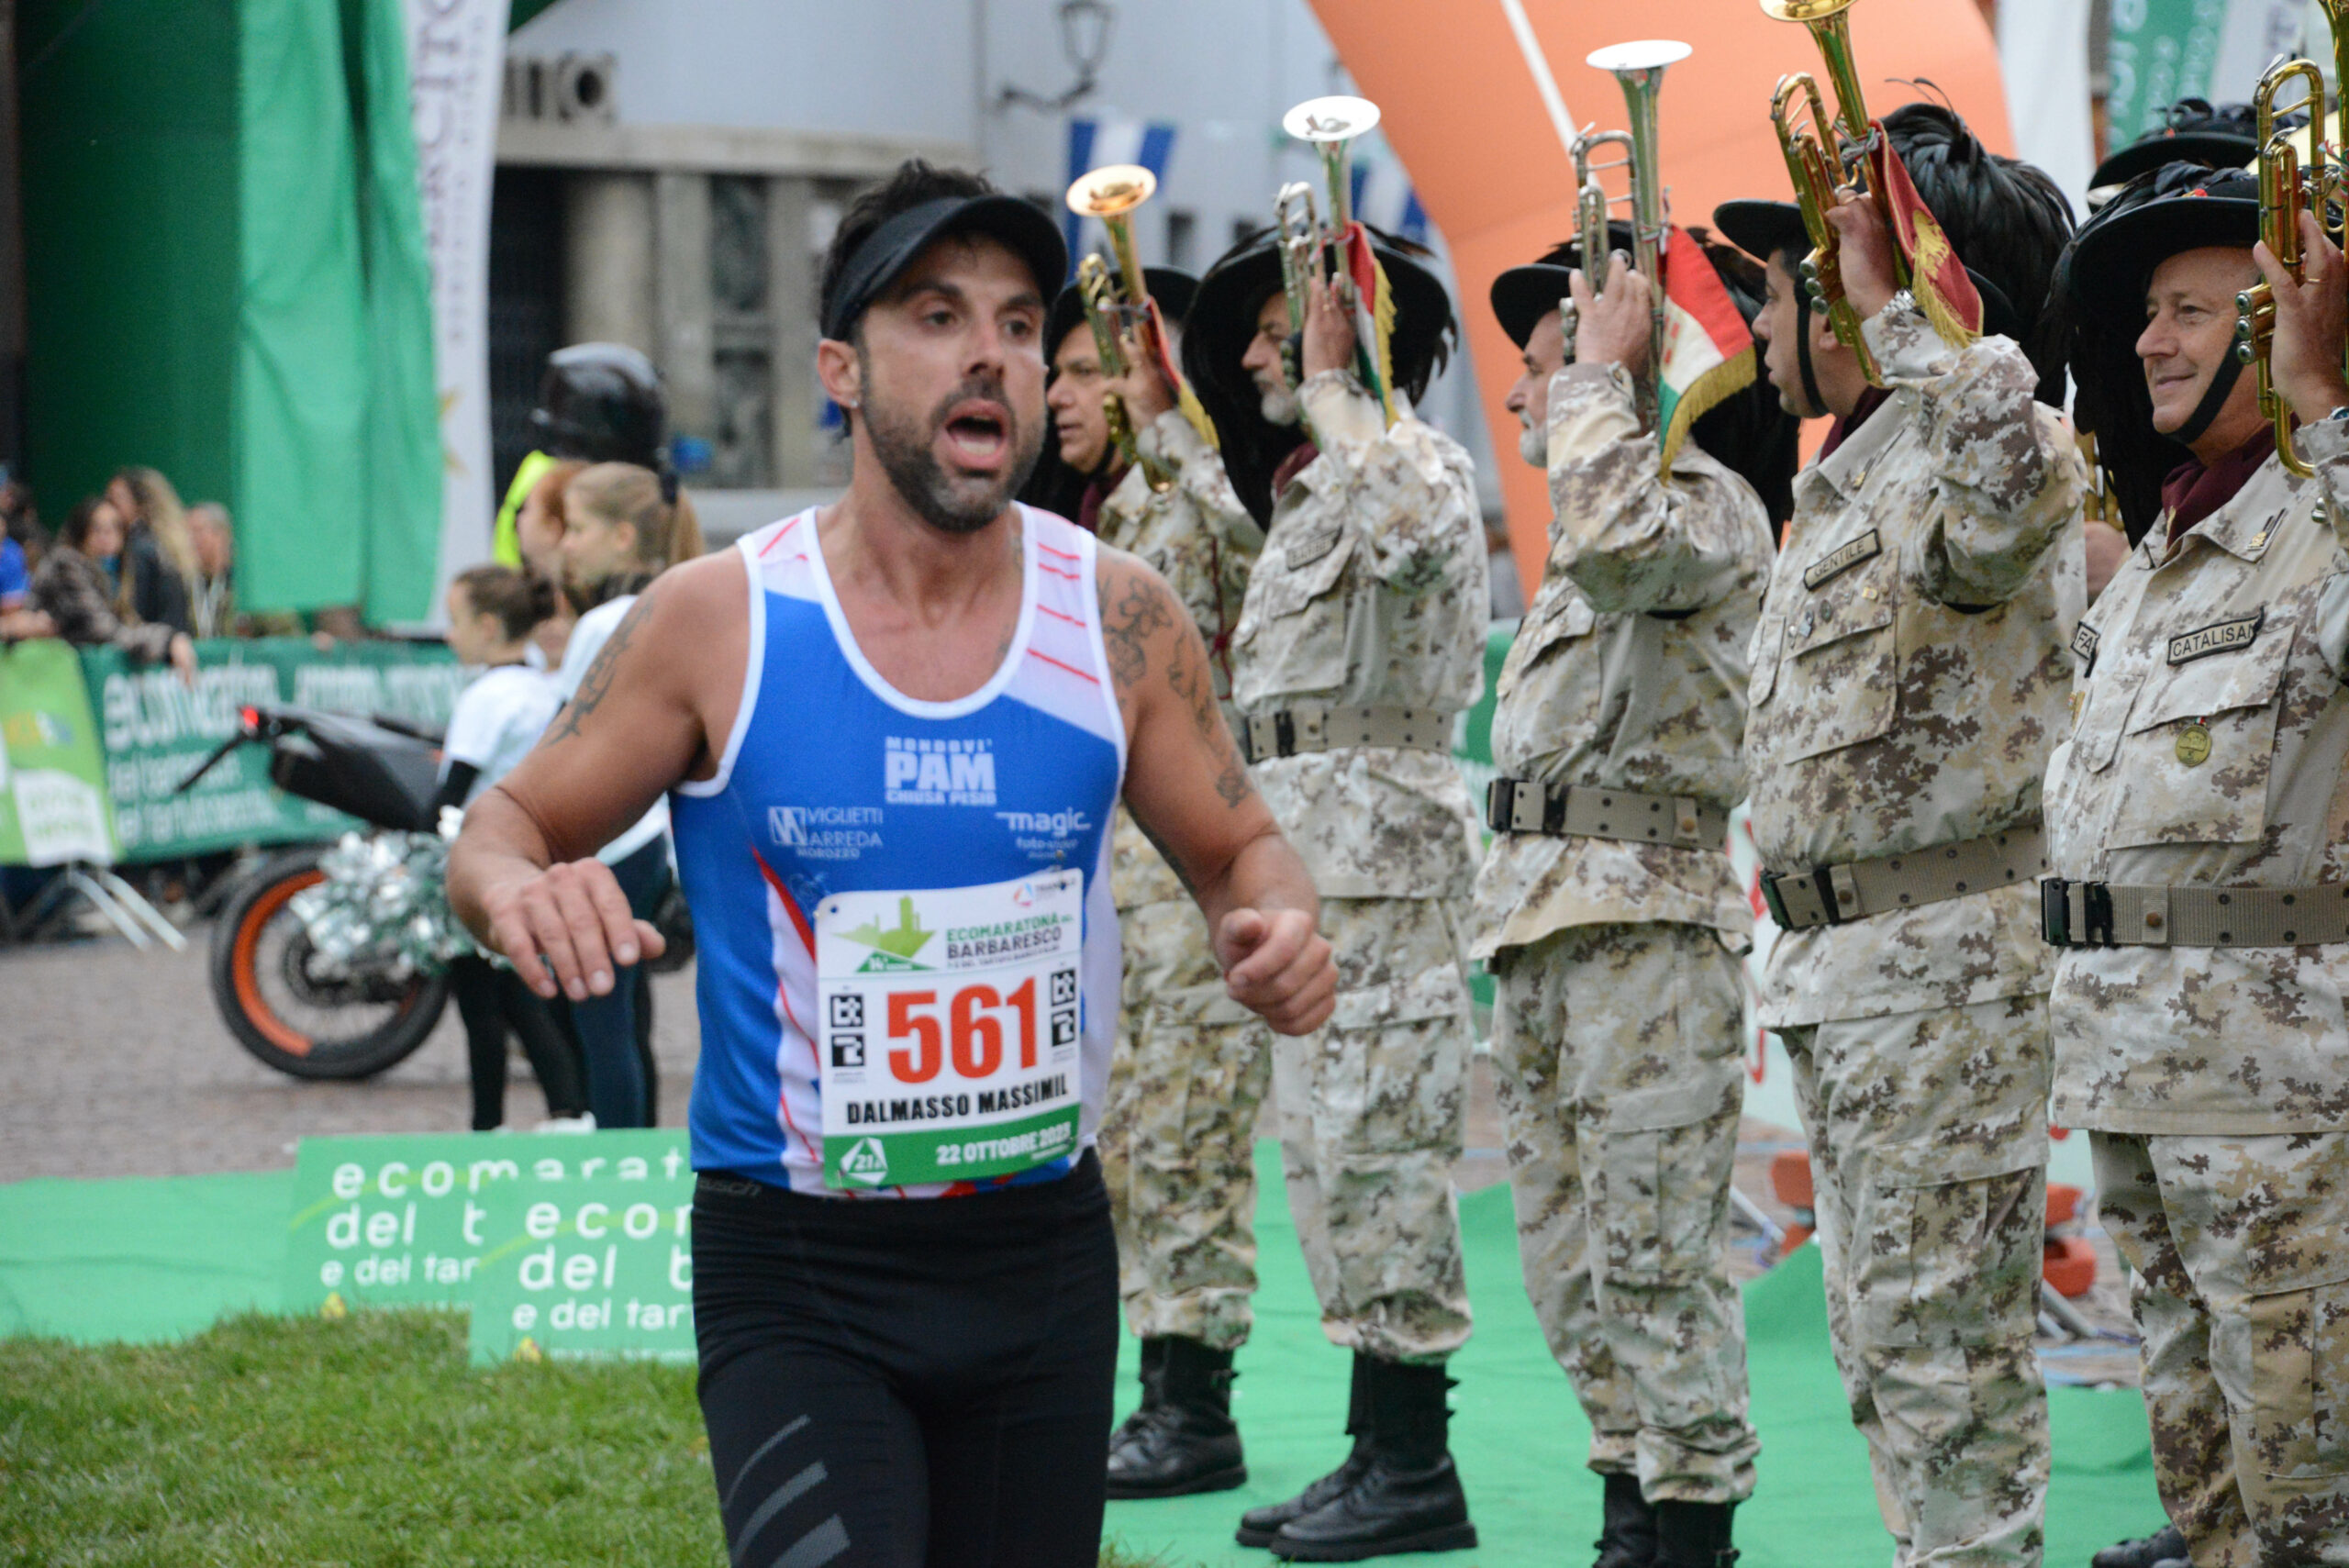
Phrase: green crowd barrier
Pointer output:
(130, 732)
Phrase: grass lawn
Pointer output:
(365, 1442)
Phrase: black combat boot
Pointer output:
(1258, 1526)
(1627, 1537)
(1153, 1381)
(1189, 1444)
(2165, 1545)
(1408, 1498)
(1694, 1535)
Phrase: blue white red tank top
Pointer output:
(833, 783)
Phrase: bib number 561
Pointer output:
(971, 1029)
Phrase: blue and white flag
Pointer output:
(1096, 144)
(1383, 198)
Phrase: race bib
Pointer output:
(950, 1031)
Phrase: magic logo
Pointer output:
(917, 771)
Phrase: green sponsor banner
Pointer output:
(155, 731)
(53, 806)
(409, 1221)
(600, 1269)
(2160, 51)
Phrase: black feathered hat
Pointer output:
(1053, 484)
(1522, 297)
(1223, 322)
(2101, 287)
(2194, 130)
(1172, 287)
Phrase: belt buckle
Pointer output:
(1776, 905)
(1500, 805)
(1823, 878)
(1284, 733)
(2096, 902)
(2055, 912)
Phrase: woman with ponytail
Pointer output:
(624, 525)
(493, 611)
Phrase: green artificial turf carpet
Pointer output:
(146, 1261)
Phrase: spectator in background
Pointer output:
(493, 610)
(20, 550)
(159, 559)
(538, 530)
(77, 586)
(212, 600)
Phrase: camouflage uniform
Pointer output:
(1909, 677)
(2211, 1077)
(1178, 1131)
(1615, 1048)
(1372, 592)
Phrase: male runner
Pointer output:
(895, 730)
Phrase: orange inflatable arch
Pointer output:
(1461, 108)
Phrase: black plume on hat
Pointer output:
(2193, 130)
(1223, 321)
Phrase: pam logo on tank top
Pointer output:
(919, 772)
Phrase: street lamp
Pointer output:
(1085, 42)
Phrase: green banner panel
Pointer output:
(598, 1269)
(2161, 50)
(154, 731)
(410, 1221)
(53, 806)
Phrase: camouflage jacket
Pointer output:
(1199, 537)
(1372, 591)
(1629, 671)
(1911, 670)
(2227, 1040)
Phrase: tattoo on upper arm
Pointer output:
(1134, 609)
(596, 684)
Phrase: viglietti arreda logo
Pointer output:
(894, 948)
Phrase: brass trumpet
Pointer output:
(1118, 303)
(1815, 172)
(1330, 124)
(1639, 69)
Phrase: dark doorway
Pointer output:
(524, 305)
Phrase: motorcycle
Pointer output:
(328, 959)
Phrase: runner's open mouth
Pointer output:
(979, 434)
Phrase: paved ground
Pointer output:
(114, 1062)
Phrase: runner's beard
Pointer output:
(953, 504)
(1534, 445)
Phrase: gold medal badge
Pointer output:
(2194, 744)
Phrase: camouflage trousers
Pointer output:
(1372, 1116)
(1928, 1135)
(2241, 1250)
(1616, 1061)
(1178, 1131)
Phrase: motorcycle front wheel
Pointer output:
(287, 1014)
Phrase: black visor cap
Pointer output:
(889, 249)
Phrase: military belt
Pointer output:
(1292, 731)
(2104, 914)
(1578, 811)
(1831, 895)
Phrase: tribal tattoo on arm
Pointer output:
(596, 684)
(1137, 608)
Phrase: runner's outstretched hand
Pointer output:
(568, 926)
(1276, 966)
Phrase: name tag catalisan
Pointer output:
(2220, 636)
(1312, 544)
(1842, 559)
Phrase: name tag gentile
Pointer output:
(949, 1029)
